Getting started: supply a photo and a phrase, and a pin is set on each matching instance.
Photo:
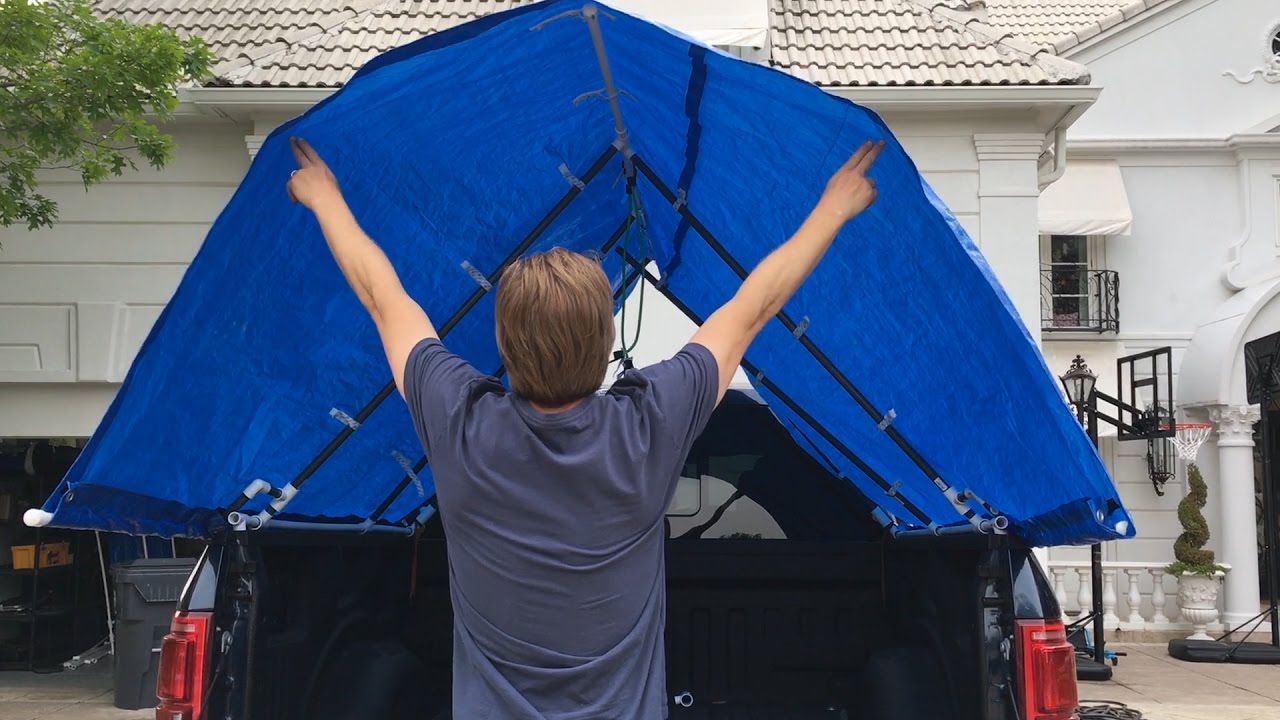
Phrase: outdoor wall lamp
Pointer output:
(1078, 382)
(1160, 463)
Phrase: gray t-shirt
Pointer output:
(555, 529)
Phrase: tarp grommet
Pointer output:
(69, 496)
(344, 418)
(476, 275)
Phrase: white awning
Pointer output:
(725, 23)
(1100, 357)
(1089, 199)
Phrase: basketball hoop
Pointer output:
(1189, 438)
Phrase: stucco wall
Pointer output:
(1164, 78)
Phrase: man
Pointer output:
(553, 494)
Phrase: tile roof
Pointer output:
(905, 42)
(1059, 25)
(321, 43)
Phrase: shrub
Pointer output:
(1188, 549)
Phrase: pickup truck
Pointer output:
(785, 600)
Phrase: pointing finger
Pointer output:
(857, 157)
(869, 158)
(310, 152)
(299, 155)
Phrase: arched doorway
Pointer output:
(1211, 385)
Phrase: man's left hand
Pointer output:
(313, 183)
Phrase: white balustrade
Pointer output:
(1109, 599)
(1135, 595)
(1060, 588)
(1158, 597)
(1084, 598)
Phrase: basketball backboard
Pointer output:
(1145, 392)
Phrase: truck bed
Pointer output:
(755, 628)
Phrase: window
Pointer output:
(1275, 45)
(1069, 280)
(747, 479)
(721, 508)
(1076, 295)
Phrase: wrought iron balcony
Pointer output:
(1073, 299)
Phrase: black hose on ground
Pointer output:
(1107, 710)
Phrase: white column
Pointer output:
(1238, 525)
(1008, 200)
(1009, 226)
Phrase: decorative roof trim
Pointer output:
(1128, 17)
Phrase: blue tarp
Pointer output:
(449, 150)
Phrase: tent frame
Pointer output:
(421, 513)
(982, 519)
(281, 496)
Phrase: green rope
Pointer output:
(634, 235)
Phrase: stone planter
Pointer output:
(1198, 601)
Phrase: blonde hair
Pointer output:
(554, 323)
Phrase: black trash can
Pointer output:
(147, 593)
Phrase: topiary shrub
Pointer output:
(1189, 547)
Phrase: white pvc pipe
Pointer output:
(35, 517)
(106, 592)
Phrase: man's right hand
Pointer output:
(313, 183)
(850, 191)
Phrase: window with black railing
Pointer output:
(1074, 296)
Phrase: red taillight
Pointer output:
(184, 666)
(1047, 669)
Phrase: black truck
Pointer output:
(785, 600)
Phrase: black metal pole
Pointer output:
(1269, 520)
(528, 241)
(1090, 421)
(799, 411)
(502, 370)
(841, 379)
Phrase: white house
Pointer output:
(1172, 184)
(1169, 180)
(976, 107)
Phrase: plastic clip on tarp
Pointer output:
(750, 146)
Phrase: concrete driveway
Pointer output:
(1167, 689)
(1147, 679)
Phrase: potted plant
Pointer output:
(1198, 576)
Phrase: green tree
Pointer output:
(1189, 547)
(83, 93)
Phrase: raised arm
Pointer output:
(401, 322)
(730, 330)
